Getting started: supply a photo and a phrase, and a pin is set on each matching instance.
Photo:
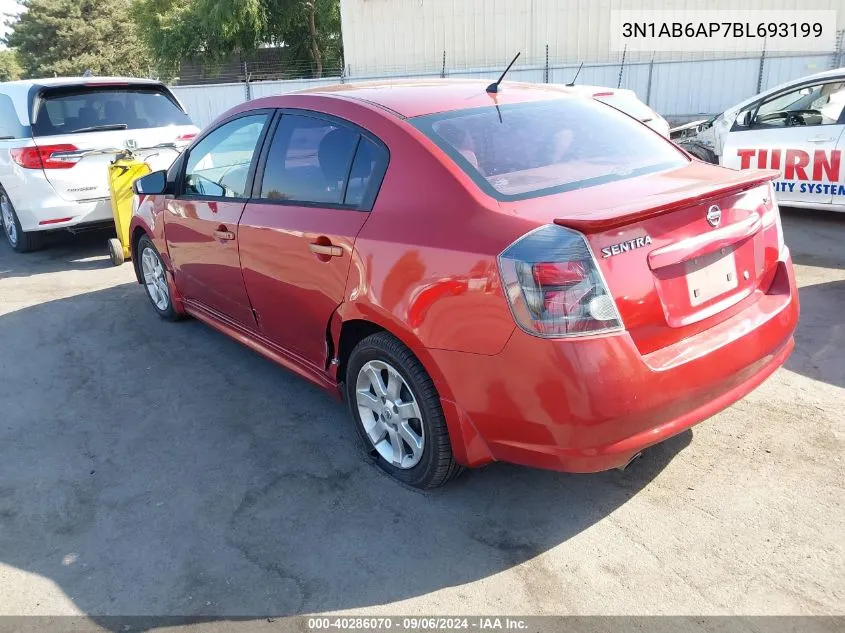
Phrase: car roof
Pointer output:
(826, 74)
(430, 96)
(77, 81)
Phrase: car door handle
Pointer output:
(220, 234)
(325, 249)
(819, 139)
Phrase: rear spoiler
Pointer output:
(644, 208)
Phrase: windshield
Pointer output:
(532, 149)
(97, 108)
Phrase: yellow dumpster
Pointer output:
(123, 171)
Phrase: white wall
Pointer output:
(677, 89)
(400, 36)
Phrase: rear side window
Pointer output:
(10, 125)
(318, 161)
(533, 149)
(93, 109)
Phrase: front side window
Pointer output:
(219, 164)
(811, 105)
(533, 149)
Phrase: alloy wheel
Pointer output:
(390, 414)
(155, 279)
(9, 225)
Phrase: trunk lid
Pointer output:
(680, 250)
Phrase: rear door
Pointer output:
(318, 183)
(81, 127)
(795, 132)
(201, 226)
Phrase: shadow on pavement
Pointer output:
(820, 337)
(815, 238)
(157, 468)
(62, 251)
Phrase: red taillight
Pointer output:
(559, 273)
(554, 286)
(44, 156)
(186, 137)
(769, 213)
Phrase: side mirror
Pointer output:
(151, 184)
(746, 119)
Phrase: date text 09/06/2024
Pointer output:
(417, 623)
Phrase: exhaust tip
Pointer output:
(629, 462)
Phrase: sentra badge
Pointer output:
(627, 245)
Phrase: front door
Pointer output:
(795, 132)
(201, 226)
(298, 231)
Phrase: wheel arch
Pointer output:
(351, 323)
(134, 237)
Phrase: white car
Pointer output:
(57, 138)
(795, 128)
(628, 102)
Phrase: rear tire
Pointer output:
(154, 279)
(19, 240)
(116, 252)
(392, 398)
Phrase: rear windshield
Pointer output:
(534, 149)
(94, 109)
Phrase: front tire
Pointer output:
(154, 276)
(19, 240)
(116, 252)
(397, 413)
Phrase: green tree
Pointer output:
(68, 37)
(308, 31)
(10, 69)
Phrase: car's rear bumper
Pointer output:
(591, 404)
(40, 208)
(61, 214)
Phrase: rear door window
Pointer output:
(318, 161)
(539, 148)
(97, 108)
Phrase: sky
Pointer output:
(7, 8)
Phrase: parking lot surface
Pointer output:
(157, 468)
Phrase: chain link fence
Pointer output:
(678, 87)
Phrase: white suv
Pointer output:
(57, 138)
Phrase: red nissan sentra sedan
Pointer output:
(529, 276)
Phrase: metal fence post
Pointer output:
(622, 66)
(443, 67)
(762, 66)
(837, 54)
(546, 71)
(247, 88)
(648, 86)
